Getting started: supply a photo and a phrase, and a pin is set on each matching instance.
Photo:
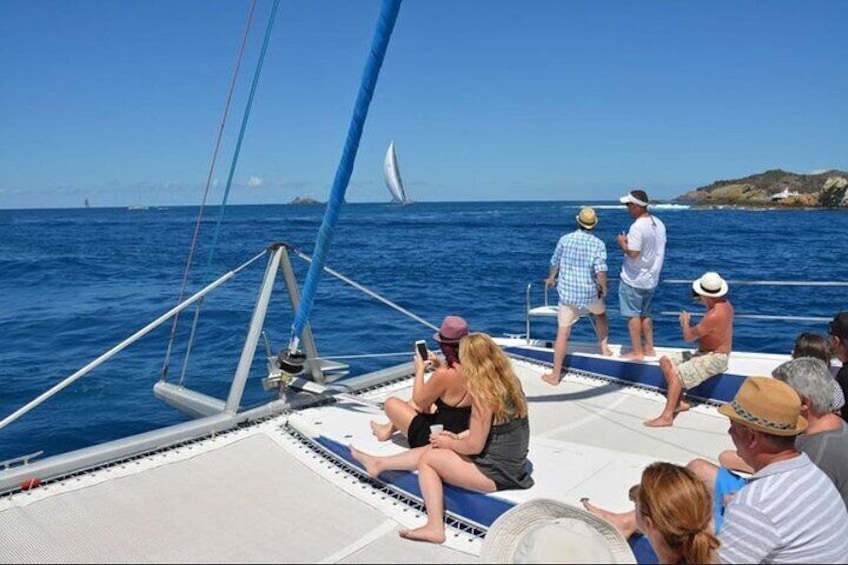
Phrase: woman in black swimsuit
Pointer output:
(441, 399)
(490, 456)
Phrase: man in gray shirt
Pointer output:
(826, 439)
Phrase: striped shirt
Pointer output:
(789, 512)
(579, 255)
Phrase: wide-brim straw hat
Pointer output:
(766, 405)
(548, 531)
(587, 218)
(711, 284)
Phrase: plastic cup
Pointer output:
(436, 429)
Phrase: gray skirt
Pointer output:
(504, 457)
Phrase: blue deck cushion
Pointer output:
(721, 388)
(475, 507)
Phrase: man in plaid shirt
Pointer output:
(579, 270)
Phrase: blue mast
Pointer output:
(379, 44)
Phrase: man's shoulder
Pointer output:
(595, 239)
(836, 438)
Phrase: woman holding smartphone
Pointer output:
(440, 400)
(490, 456)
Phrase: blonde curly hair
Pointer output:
(489, 377)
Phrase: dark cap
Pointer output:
(839, 326)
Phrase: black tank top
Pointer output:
(454, 418)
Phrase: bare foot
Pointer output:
(650, 353)
(682, 406)
(623, 522)
(368, 461)
(632, 356)
(659, 422)
(607, 352)
(382, 431)
(551, 379)
(433, 534)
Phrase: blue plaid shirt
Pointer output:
(579, 256)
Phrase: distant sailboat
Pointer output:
(393, 180)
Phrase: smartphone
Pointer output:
(421, 348)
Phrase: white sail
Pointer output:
(392, 173)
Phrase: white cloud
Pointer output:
(819, 171)
(254, 181)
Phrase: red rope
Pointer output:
(215, 151)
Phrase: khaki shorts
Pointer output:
(693, 367)
(567, 314)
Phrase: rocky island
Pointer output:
(304, 201)
(772, 188)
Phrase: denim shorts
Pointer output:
(635, 302)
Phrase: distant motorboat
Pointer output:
(392, 173)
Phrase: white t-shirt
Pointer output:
(647, 236)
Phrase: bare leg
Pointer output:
(731, 460)
(648, 332)
(624, 522)
(400, 413)
(603, 333)
(436, 466)
(634, 326)
(375, 464)
(705, 471)
(560, 347)
(675, 391)
(382, 431)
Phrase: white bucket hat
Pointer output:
(547, 531)
(711, 284)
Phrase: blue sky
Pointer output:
(120, 101)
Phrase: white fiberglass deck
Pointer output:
(260, 493)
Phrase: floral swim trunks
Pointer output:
(694, 367)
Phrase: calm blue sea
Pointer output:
(74, 283)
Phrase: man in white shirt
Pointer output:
(644, 251)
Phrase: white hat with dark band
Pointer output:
(711, 284)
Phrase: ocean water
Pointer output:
(74, 283)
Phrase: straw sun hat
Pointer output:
(766, 405)
(587, 218)
(547, 531)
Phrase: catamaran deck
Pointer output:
(285, 489)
